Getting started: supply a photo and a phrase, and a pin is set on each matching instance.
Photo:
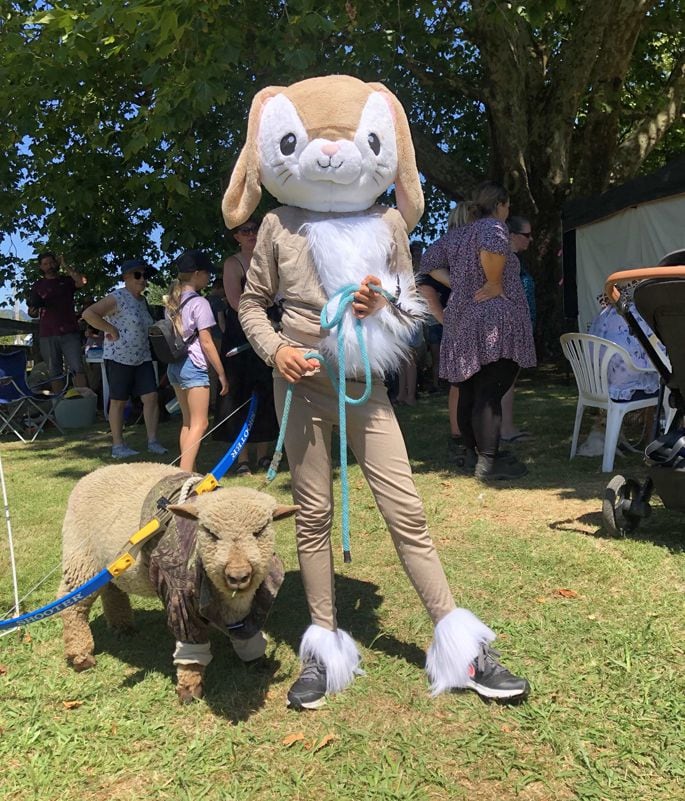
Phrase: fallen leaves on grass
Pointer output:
(72, 704)
(327, 738)
(291, 739)
(564, 593)
(313, 746)
(3, 670)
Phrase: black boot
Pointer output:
(491, 469)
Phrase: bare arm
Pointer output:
(233, 276)
(441, 275)
(493, 267)
(78, 278)
(433, 300)
(94, 315)
(212, 356)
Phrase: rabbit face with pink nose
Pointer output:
(327, 171)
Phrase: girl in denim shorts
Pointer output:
(190, 377)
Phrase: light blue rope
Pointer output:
(345, 297)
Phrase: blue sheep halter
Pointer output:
(345, 297)
(127, 556)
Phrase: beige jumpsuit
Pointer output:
(281, 264)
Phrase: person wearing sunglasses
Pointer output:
(124, 317)
(245, 371)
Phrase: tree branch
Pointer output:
(442, 168)
(568, 70)
(596, 142)
(445, 82)
(647, 134)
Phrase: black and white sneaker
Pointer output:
(309, 691)
(490, 679)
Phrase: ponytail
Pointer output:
(462, 214)
(172, 303)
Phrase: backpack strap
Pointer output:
(195, 333)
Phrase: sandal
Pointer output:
(243, 469)
(519, 436)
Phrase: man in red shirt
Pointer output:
(52, 300)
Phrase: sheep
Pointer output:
(213, 565)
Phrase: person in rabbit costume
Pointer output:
(326, 148)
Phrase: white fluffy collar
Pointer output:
(345, 250)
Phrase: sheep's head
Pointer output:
(234, 535)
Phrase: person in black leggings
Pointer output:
(487, 334)
(479, 414)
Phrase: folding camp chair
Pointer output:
(18, 401)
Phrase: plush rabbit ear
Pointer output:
(245, 188)
(407, 184)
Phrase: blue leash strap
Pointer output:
(211, 480)
(129, 553)
(91, 586)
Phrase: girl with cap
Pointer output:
(194, 320)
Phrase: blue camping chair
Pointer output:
(19, 402)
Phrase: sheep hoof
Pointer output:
(186, 695)
(81, 663)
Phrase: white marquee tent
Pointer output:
(632, 225)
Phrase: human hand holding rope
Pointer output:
(292, 365)
(368, 301)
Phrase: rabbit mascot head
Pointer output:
(326, 144)
(326, 148)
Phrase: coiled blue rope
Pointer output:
(345, 297)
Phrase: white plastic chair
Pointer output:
(589, 357)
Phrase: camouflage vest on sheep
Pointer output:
(176, 573)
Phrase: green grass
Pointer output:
(604, 720)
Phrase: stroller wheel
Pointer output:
(621, 507)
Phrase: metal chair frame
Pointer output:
(18, 399)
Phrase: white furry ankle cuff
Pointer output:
(336, 651)
(456, 642)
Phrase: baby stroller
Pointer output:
(660, 298)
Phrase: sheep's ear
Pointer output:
(284, 511)
(187, 510)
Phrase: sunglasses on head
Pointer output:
(248, 229)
